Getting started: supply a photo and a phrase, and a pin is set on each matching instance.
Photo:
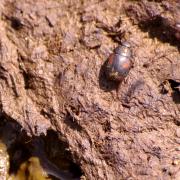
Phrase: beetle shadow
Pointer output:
(104, 83)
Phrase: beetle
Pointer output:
(119, 62)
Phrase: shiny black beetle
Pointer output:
(119, 63)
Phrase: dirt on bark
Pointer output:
(52, 56)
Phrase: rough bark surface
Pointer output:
(52, 55)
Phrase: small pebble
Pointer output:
(176, 162)
(177, 148)
(178, 132)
